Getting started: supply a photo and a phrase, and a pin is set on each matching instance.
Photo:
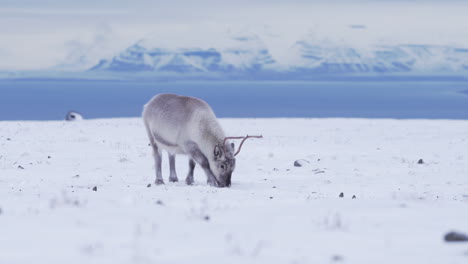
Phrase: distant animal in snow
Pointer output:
(73, 116)
(188, 125)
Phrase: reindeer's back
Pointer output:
(175, 117)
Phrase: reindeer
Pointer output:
(188, 125)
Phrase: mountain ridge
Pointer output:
(252, 57)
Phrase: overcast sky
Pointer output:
(42, 34)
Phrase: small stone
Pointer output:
(149, 185)
(274, 187)
(301, 162)
(20, 167)
(337, 258)
(49, 157)
(420, 161)
(455, 237)
(1, 211)
(341, 195)
(206, 218)
(354, 197)
(271, 197)
(8, 139)
(95, 188)
(159, 202)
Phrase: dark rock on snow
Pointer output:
(301, 162)
(455, 237)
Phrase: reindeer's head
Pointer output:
(225, 160)
(225, 163)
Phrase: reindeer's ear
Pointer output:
(217, 152)
(233, 147)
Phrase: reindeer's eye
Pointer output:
(223, 167)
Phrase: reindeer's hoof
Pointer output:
(189, 181)
(212, 183)
(173, 179)
(159, 181)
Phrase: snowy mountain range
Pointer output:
(248, 55)
(237, 55)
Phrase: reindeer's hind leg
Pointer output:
(173, 174)
(157, 158)
(189, 179)
(157, 164)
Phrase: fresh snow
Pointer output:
(273, 213)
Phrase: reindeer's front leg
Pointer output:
(173, 174)
(191, 148)
(189, 179)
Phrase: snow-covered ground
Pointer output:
(273, 213)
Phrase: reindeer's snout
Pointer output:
(226, 182)
(222, 184)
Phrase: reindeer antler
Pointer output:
(242, 142)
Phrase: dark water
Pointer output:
(47, 100)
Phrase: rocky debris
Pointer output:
(354, 197)
(95, 188)
(455, 237)
(159, 202)
(20, 167)
(206, 218)
(149, 185)
(420, 161)
(300, 162)
(49, 157)
(341, 195)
